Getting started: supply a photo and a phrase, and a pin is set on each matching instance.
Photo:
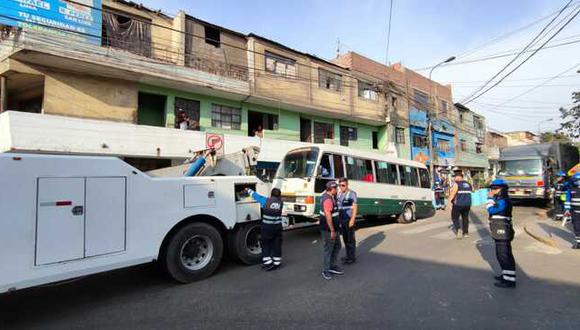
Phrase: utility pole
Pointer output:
(430, 124)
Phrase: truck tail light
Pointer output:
(309, 199)
(539, 183)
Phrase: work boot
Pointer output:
(505, 284)
(498, 277)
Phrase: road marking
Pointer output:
(423, 228)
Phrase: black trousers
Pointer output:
(458, 211)
(576, 224)
(505, 257)
(271, 242)
(558, 207)
(348, 238)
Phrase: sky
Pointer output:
(424, 33)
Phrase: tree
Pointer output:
(570, 125)
(554, 137)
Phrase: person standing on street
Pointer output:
(347, 209)
(329, 229)
(572, 207)
(499, 207)
(460, 203)
(439, 195)
(560, 190)
(271, 236)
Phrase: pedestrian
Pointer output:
(561, 187)
(329, 230)
(460, 203)
(271, 236)
(572, 206)
(347, 212)
(499, 207)
(439, 194)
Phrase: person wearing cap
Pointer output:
(561, 186)
(460, 202)
(499, 207)
(572, 207)
(329, 230)
(347, 209)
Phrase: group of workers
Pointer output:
(338, 212)
(567, 202)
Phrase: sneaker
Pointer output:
(458, 234)
(269, 267)
(466, 235)
(505, 284)
(326, 275)
(274, 267)
(336, 270)
(348, 261)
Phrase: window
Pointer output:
(461, 118)
(444, 107)
(400, 135)
(387, 173)
(325, 170)
(359, 169)
(280, 65)
(463, 145)
(424, 178)
(375, 137)
(443, 145)
(338, 166)
(408, 176)
(123, 31)
(323, 131)
(225, 117)
(329, 80)
(259, 121)
(394, 101)
(478, 148)
(212, 36)
(347, 134)
(186, 114)
(421, 99)
(419, 141)
(367, 91)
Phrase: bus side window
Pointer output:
(386, 173)
(424, 178)
(338, 166)
(359, 169)
(325, 167)
(414, 177)
(394, 177)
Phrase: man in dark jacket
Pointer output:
(460, 200)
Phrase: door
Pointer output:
(305, 130)
(105, 216)
(344, 136)
(60, 221)
(151, 110)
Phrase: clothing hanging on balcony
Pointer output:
(123, 32)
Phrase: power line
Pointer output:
(526, 59)
(466, 100)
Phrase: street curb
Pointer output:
(548, 241)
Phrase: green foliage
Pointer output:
(570, 125)
(554, 137)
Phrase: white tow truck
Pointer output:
(63, 217)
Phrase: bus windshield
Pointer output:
(521, 167)
(298, 164)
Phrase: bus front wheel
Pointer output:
(408, 214)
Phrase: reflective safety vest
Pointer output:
(574, 203)
(560, 189)
(345, 204)
(322, 218)
(272, 211)
(463, 196)
(501, 223)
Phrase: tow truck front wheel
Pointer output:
(194, 252)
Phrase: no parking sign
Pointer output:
(216, 142)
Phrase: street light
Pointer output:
(429, 126)
(540, 126)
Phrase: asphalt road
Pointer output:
(408, 276)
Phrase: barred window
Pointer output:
(367, 91)
(226, 117)
(329, 80)
(280, 65)
(400, 135)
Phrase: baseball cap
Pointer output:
(330, 185)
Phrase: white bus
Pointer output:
(385, 185)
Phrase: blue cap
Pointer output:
(562, 174)
(498, 183)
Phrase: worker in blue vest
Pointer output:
(347, 209)
(271, 236)
(439, 191)
(499, 207)
(572, 207)
(561, 187)
(330, 231)
(460, 200)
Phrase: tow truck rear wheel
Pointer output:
(244, 243)
(194, 252)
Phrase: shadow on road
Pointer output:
(563, 234)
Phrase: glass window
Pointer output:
(338, 166)
(298, 164)
(424, 178)
(419, 141)
(443, 145)
(421, 99)
(408, 176)
(325, 169)
(226, 117)
(359, 169)
(212, 36)
(521, 167)
(443, 107)
(367, 91)
(186, 114)
(329, 80)
(400, 135)
(463, 145)
(386, 173)
(280, 65)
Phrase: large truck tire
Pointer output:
(244, 243)
(193, 253)
(408, 214)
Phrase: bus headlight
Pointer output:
(305, 199)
